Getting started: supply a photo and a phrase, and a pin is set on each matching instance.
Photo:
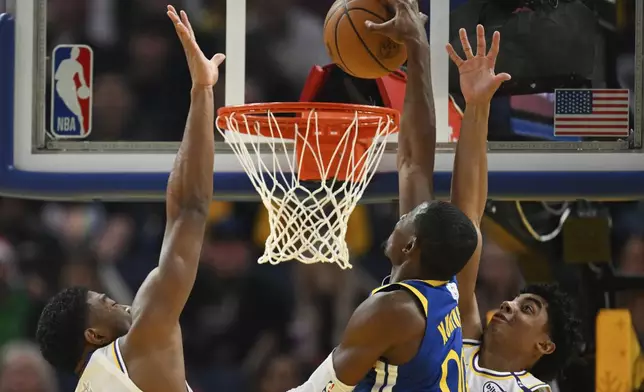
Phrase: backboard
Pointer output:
(117, 138)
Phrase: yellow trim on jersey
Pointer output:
(115, 356)
(412, 289)
(378, 289)
(436, 283)
(421, 297)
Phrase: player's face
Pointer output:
(402, 239)
(523, 322)
(107, 319)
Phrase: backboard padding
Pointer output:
(548, 171)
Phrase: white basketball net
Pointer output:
(307, 225)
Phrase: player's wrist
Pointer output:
(478, 109)
(201, 88)
(417, 46)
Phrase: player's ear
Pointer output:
(546, 347)
(411, 245)
(95, 337)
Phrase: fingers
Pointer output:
(465, 43)
(424, 18)
(218, 59)
(380, 28)
(494, 49)
(182, 30)
(502, 77)
(480, 41)
(172, 14)
(186, 22)
(453, 55)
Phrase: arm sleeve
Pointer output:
(324, 379)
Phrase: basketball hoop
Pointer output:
(310, 164)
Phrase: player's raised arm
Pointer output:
(417, 136)
(469, 182)
(162, 296)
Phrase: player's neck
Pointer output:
(395, 275)
(87, 354)
(492, 357)
(405, 271)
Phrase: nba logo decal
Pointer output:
(71, 91)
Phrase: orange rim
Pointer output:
(333, 121)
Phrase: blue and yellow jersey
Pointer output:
(438, 364)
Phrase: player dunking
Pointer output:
(66, 85)
(110, 347)
(536, 331)
(407, 335)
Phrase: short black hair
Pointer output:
(565, 331)
(447, 239)
(61, 328)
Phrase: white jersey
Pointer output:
(106, 372)
(485, 380)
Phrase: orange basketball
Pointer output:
(358, 51)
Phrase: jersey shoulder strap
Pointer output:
(415, 293)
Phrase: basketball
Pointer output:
(355, 49)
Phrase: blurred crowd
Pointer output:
(247, 327)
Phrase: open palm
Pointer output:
(478, 80)
(204, 71)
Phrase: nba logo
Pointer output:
(71, 91)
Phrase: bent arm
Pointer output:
(378, 324)
(469, 194)
(417, 137)
(164, 293)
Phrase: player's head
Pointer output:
(75, 52)
(76, 321)
(541, 327)
(434, 241)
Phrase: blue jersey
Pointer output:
(438, 364)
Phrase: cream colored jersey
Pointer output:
(485, 380)
(106, 372)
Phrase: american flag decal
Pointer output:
(588, 112)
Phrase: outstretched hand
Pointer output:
(407, 24)
(204, 71)
(478, 80)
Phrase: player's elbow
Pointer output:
(197, 210)
(417, 172)
(187, 208)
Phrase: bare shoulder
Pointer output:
(389, 311)
(383, 322)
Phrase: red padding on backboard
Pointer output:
(392, 90)
(314, 82)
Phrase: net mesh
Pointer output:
(308, 220)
